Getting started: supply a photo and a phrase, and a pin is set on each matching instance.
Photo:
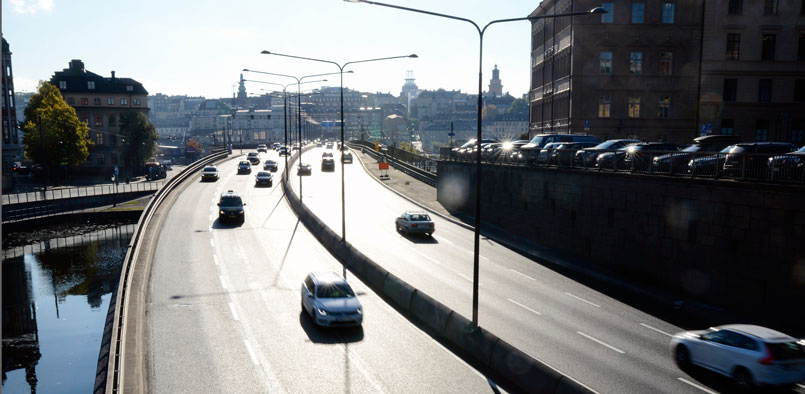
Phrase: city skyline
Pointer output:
(167, 39)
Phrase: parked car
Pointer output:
(750, 355)
(708, 165)
(491, 151)
(546, 152)
(677, 162)
(329, 300)
(262, 148)
(510, 152)
(230, 207)
(209, 173)
(463, 152)
(533, 147)
(586, 157)
(253, 158)
(751, 159)
(155, 170)
(415, 223)
(263, 178)
(270, 165)
(244, 167)
(564, 154)
(612, 159)
(640, 156)
(304, 169)
(789, 166)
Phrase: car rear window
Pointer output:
(420, 218)
(786, 351)
(231, 201)
(334, 290)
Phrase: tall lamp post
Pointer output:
(298, 111)
(475, 265)
(341, 72)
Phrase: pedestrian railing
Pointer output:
(81, 191)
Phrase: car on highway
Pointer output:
(346, 156)
(411, 222)
(209, 173)
(326, 154)
(283, 151)
(262, 148)
(327, 163)
(329, 300)
(230, 207)
(270, 165)
(304, 169)
(751, 355)
(253, 157)
(329, 145)
(244, 167)
(264, 178)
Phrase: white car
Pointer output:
(415, 223)
(262, 148)
(750, 355)
(330, 301)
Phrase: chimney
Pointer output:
(113, 74)
(77, 66)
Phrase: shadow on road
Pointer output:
(722, 384)
(220, 225)
(329, 335)
(418, 238)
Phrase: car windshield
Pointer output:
(420, 217)
(537, 140)
(607, 144)
(693, 148)
(801, 149)
(210, 169)
(231, 201)
(786, 351)
(263, 174)
(334, 290)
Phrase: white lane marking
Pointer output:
(521, 274)
(683, 380)
(215, 259)
(251, 351)
(440, 239)
(444, 266)
(562, 373)
(484, 257)
(359, 364)
(656, 329)
(210, 216)
(222, 281)
(212, 243)
(523, 306)
(600, 342)
(583, 300)
(232, 309)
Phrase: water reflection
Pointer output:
(55, 299)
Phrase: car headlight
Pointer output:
(359, 311)
(241, 211)
(691, 163)
(222, 212)
(321, 311)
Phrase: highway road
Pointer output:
(597, 340)
(223, 309)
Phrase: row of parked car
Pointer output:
(707, 156)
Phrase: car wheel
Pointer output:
(682, 357)
(743, 380)
(270, 184)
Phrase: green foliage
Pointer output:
(519, 106)
(140, 138)
(53, 134)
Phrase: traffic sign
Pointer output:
(451, 134)
(117, 171)
(377, 146)
(707, 128)
(586, 125)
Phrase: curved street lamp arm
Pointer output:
(423, 12)
(413, 56)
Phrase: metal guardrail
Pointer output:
(81, 191)
(422, 162)
(117, 343)
(417, 173)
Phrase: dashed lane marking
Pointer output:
(583, 300)
(222, 281)
(600, 342)
(521, 274)
(523, 306)
(251, 351)
(232, 309)
(655, 329)
(215, 259)
(212, 243)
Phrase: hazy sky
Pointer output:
(199, 47)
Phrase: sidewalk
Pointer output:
(658, 302)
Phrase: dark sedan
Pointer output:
(790, 166)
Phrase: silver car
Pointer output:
(415, 223)
(330, 301)
(751, 355)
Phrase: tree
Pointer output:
(519, 106)
(53, 134)
(490, 112)
(139, 139)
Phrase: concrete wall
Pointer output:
(737, 245)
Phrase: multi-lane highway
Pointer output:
(599, 341)
(223, 310)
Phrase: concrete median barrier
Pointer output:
(398, 291)
(475, 341)
(523, 370)
(570, 386)
(430, 312)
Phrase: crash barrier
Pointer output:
(517, 367)
(60, 193)
(422, 162)
(417, 173)
(61, 206)
(118, 374)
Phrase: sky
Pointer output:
(200, 47)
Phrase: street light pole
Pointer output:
(475, 264)
(341, 90)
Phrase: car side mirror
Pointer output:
(244, 204)
(219, 204)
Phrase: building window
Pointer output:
(769, 43)
(124, 101)
(799, 90)
(735, 7)
(664, 108)
(129, 88)
(733, 46)
(801, 44)
(136, 101)
(668, 13)
(764, 91)
(727, 126)
(636, 63)
(634, 107)
(101, 158)
(96, 101)
(666, 63)
(99, 138)
(604, 107)
(762, 130)
(62, 85)
(71, 100)
(84, 101)
(609, 16)
(110, 101)
(605, 63)
(770, 7)
(638, 9)
(730, 89)
(98, 121)
(91, 85)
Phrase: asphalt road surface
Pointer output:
(223, 309)
(597, 340)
